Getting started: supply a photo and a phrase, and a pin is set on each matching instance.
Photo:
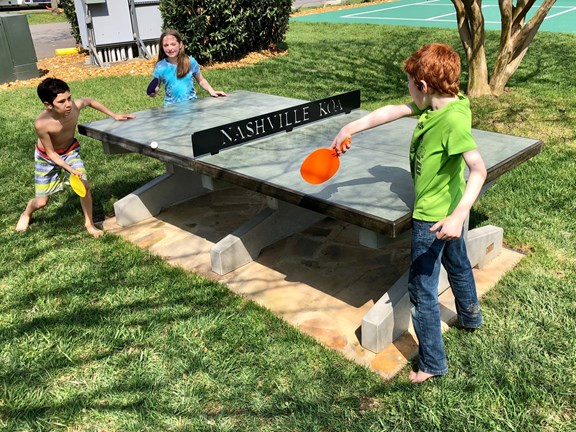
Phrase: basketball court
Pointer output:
(440, 14)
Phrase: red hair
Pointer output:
(437, 64)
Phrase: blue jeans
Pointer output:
(426, 256)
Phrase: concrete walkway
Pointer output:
(47, 38)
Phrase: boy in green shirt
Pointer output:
(442, 146)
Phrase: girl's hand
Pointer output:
(218, 94)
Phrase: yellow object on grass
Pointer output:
(64, 51)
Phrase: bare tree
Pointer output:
(515, 38)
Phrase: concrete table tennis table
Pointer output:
(258, 142)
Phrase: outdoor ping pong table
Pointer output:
(258, 142)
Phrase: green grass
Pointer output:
(98, 335)
(43, 17)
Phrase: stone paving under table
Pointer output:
(320, 280)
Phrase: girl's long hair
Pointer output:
(183, 61)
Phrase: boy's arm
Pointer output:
(203, 82)
(382, 115)
(450, 228)
(44, 136)
(84, 102)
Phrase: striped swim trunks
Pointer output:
(49, 178)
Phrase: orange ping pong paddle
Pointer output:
(321, 165)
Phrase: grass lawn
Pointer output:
(41, 16)
(98, 335)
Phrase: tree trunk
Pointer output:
(515, 39)
(471, 30)
(478, 74)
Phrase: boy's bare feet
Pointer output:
(417, 377)
(23, 223)
(94, 232)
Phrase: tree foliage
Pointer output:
(222, 30)
(70, 12)
(217, 30)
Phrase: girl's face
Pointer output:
(171, 47)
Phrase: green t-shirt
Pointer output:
(436, 161)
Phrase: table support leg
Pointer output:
(175, 186)
(269, 226)
(390, 316)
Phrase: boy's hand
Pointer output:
(448, 229)
(341, 143)
(123, 117)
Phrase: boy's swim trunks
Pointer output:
(47, 175)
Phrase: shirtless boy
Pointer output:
(58, 150)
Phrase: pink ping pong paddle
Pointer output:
(152, 86)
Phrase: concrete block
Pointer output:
(266, 228)
(484, 244)
(390, 315)
(173, 187)
(375, 240)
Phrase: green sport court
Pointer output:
(441, 13)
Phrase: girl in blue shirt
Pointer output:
(175, 70)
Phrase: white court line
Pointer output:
(438, 18)
(424, 3)
(389, 8)
(420, 20)
(561, 13)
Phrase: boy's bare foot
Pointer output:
(417, 377)
(23, 223)
(94, 232)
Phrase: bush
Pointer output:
(223, 30)
(70, 12)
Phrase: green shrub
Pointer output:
(70, 12)
(223, 30)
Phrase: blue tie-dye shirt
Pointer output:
(177, 89)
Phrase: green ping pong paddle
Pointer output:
(77, 185)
